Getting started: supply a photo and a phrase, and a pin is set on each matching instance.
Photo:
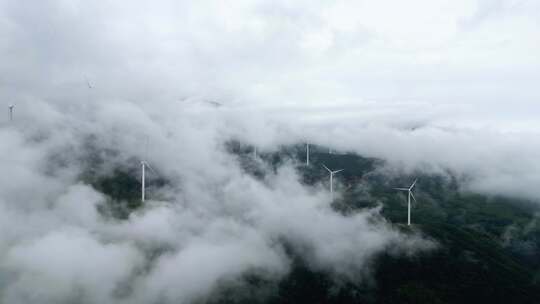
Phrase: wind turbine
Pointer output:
(144, 165)
(11, 112)
(332, 178)
(410, 194)
(88, 83)
(307, 154)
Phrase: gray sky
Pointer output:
(475, 53)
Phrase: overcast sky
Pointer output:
(426, 85)
(480, 54)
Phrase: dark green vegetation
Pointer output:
(489, 247)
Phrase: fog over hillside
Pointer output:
(446, 87)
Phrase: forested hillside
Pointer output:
(487, 246)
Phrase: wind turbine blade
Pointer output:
(412, 195)
(402, 189)
(327, 168)
(146, 143)
(149, 167)
(413, 184)
(337, 171)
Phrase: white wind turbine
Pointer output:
(410, 194)
(88, 83)
(332, 178)
(144, 165)
(307, 154)
(11, 112)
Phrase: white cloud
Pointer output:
(356, 74)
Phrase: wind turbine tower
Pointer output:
(410, 194)
(11, 112)
(332, 179)
(144, 165)
(307, 154)
(143, 180)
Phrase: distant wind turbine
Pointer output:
(11, 112)
(307, 154)
(88, 83)
(144, 165)
(332, 178)
(410, 194)
(255, 152)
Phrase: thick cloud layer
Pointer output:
(216, 224)
(448, 85)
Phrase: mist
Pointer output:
(99, 86)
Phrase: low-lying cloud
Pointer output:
(98, 86)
